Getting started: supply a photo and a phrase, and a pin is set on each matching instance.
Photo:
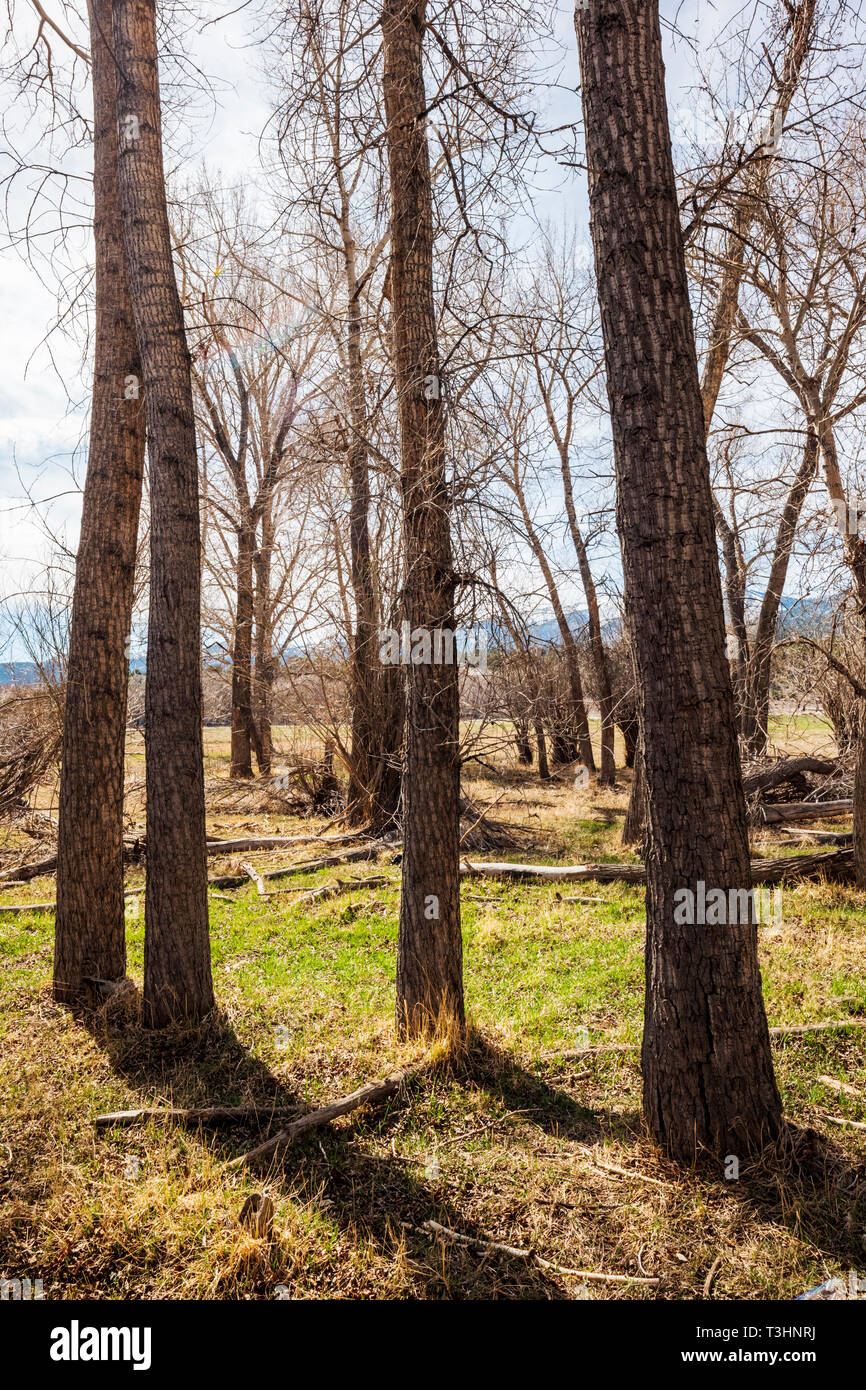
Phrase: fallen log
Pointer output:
(763, 779)
(132, 851)
(802, 866)
(763, 870)
(257, 879)
(843, 1087)
(343, 885)
(206, 1115)
(24, 872)
(374, 1093)
(267, 842)
(308, 867)
(27, 907)
(796, 1030)
(552, 873)
(821, 837)
(771, 814)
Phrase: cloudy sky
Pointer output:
(43, 385)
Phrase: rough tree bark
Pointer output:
(708, 1082)
(429, 953)
(90, 934)
(177, 968)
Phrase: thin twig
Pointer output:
(713, 1270)
(434, 1228)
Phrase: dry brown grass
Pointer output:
(511, 1141)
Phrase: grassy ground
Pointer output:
(513, 1141)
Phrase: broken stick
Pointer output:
(374, 1093)
(434, 1228)
(206, 1115)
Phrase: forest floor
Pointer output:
(514, 1141)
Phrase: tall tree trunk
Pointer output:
(263, 672)
(367, 750)
(756, 712)
(630, 736)
(177, 968)
(735, 593)
(607, 773)
(541, 745)
(388, 772)
(708, 1080)
(860, 798)
(634, 825)
(242, 656)
(89, 934)
(521, 739)
(429, 952)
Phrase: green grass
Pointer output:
(525, 1137)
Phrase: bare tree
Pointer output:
(177, 969)
(429, 953)
(807, 321)
(89, 942)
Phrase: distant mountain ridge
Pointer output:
(796, 614)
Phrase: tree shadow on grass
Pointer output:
(380, 1203)
(188, 1067)
(805, 1182)
(376, 1201)
(384, 1201)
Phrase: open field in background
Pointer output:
(516, 1141)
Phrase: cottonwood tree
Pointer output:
(724, 195)
(708, 1080)
(807, 318)
(725, 202)
(559, 339)
(255, 364)
(758, 527)
(429, 951)
(177, 967)
(89, 942)
(331, 101)
(515, 416)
